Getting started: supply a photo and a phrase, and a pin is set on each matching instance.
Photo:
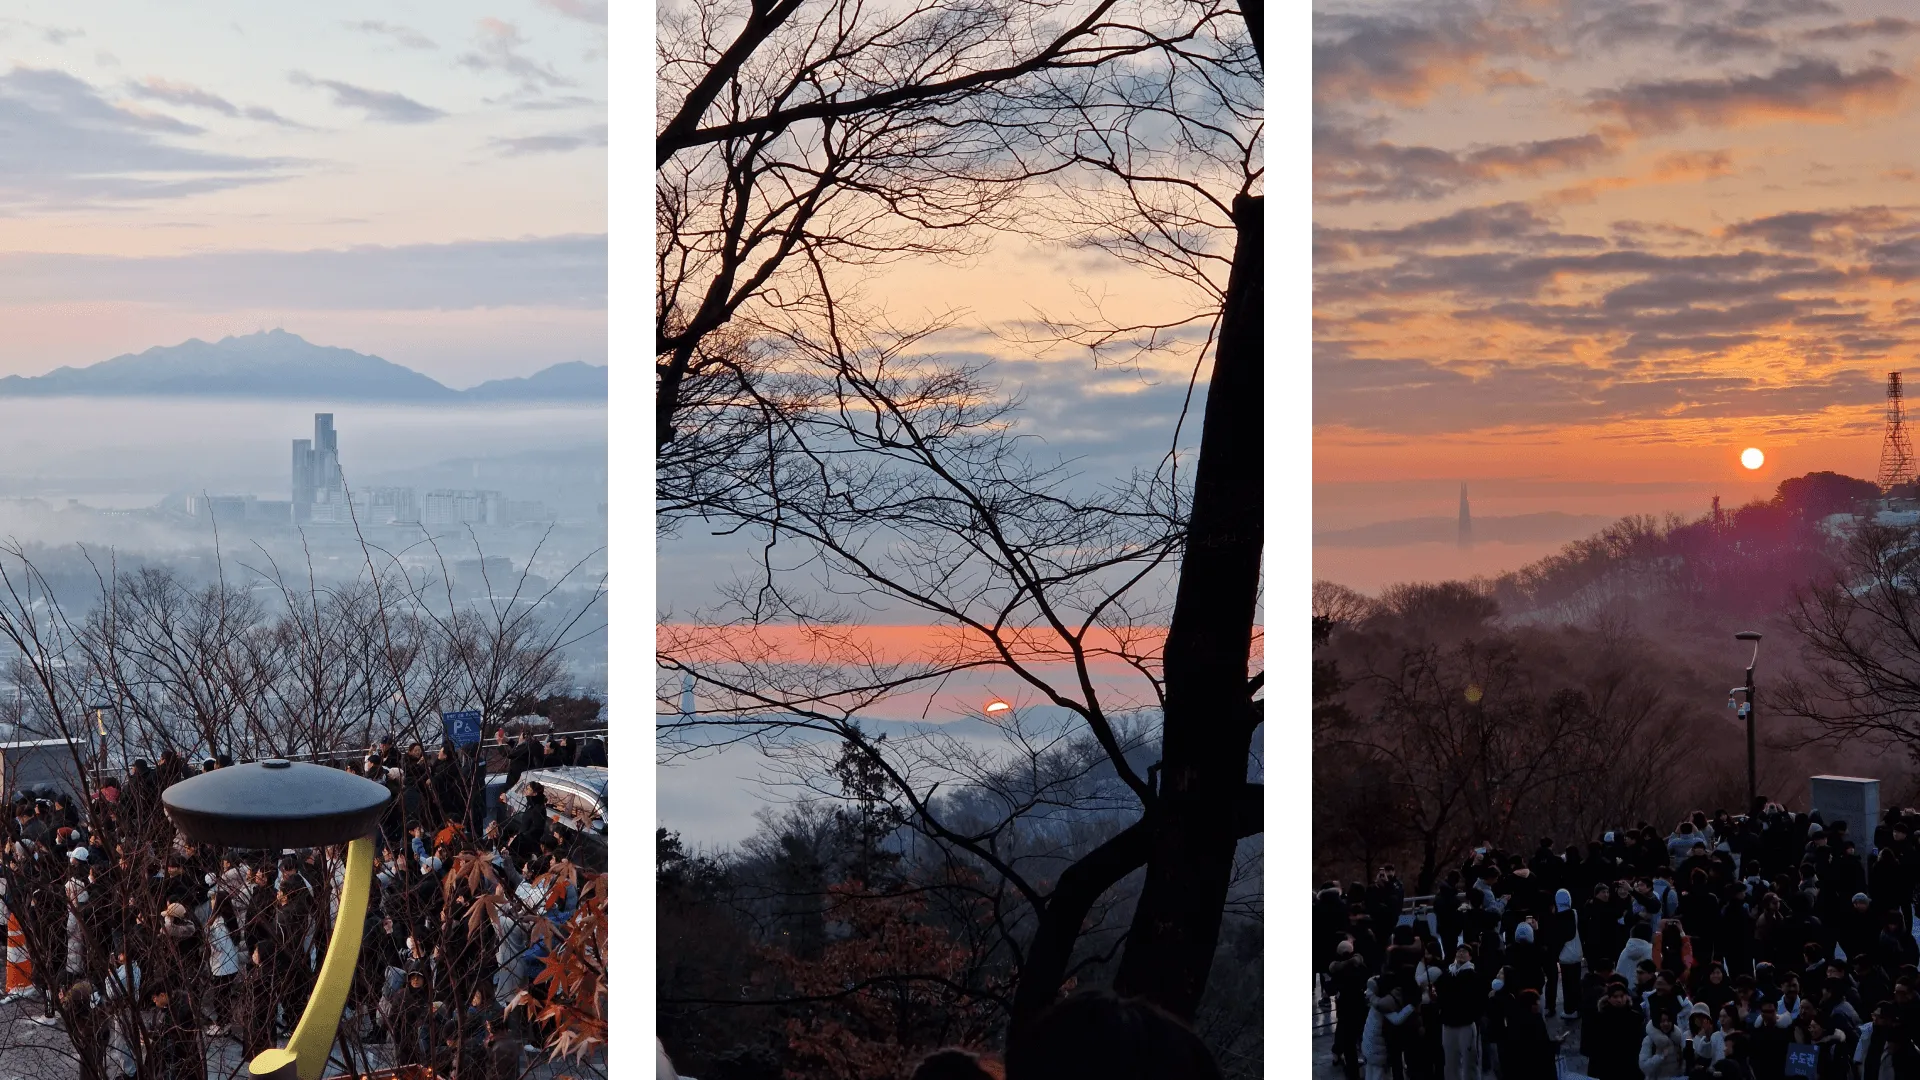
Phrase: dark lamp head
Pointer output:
(275, 804)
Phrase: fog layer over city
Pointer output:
(203, 487)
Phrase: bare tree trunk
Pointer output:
(1429, 863)
(1080, 886)
(1201, 811)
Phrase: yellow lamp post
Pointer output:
(277, 804)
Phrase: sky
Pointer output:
(1106, 420)
(423, 181)
(1581, 253)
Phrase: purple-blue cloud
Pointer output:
(384, 106)
(67, 145)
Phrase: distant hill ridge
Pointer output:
(277, 364)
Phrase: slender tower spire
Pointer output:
(1466, 519)
(1896, 452)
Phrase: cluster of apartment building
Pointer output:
(321, 496)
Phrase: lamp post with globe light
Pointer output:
(100, 710)
(1746, 711)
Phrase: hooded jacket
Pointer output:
(1679, 843)
(1661, 1053)
(1705, 1049)
(1636, 950)
(1665, 899)
(1525, 959)
(1561, 930)
(1384, 1010)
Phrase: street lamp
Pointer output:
(100, 710)
(1746, 710)
(277, 804)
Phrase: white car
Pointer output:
(576, 803)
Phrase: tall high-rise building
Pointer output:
(302, 480)
(1466, 519)
(319, 487)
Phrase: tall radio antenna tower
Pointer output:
(1896, 452)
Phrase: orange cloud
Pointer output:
(1679, 167)
(1348, 167)
(1406, 62)
(850, 645)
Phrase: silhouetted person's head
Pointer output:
(951, 1064)
(1099, 1036)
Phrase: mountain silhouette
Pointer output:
(277, 364)
(571, 381)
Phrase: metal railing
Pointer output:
(486, 748)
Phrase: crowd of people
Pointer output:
(148, 949)
(1089, 1035)
(1749, 947)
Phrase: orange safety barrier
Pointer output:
(19, 965)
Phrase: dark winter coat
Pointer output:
(1768, 1051)
(1556, 929)
(1600, 931)
(1329, 926)
(1614, 1052)
(1462, 996)
(1528, 1052)
(1528, 964)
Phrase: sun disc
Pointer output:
(1752, 458)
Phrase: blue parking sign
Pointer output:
(463, 728)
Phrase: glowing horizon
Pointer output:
(1570, 242)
